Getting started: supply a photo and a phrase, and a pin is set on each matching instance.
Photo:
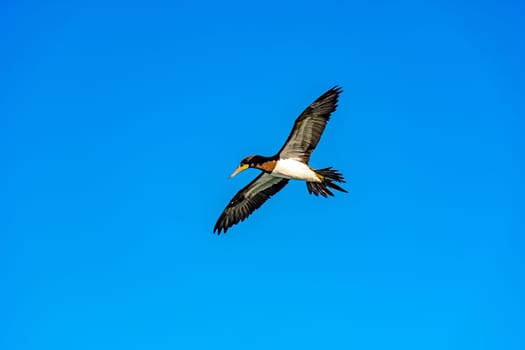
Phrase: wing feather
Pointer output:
(249, 199)
(309, 127)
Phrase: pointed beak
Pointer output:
(239, 169)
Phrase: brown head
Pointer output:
(259, 162)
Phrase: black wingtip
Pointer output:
(219, 226)
(337, 89)
(218, 230)
(331, 95)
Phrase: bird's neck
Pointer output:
(266, 164)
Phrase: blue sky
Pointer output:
(121, 122)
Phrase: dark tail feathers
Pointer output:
(328, 176)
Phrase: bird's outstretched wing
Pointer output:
(309, 127)
(247, 200)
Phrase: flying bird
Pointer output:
(291, 162)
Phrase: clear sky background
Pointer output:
(121, 121)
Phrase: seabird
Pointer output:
(291, 162)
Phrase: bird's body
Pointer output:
(294, 169)
(290, 163)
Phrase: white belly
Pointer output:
(293, 169)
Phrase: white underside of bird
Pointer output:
(294, 169)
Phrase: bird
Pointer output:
(290, 163)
